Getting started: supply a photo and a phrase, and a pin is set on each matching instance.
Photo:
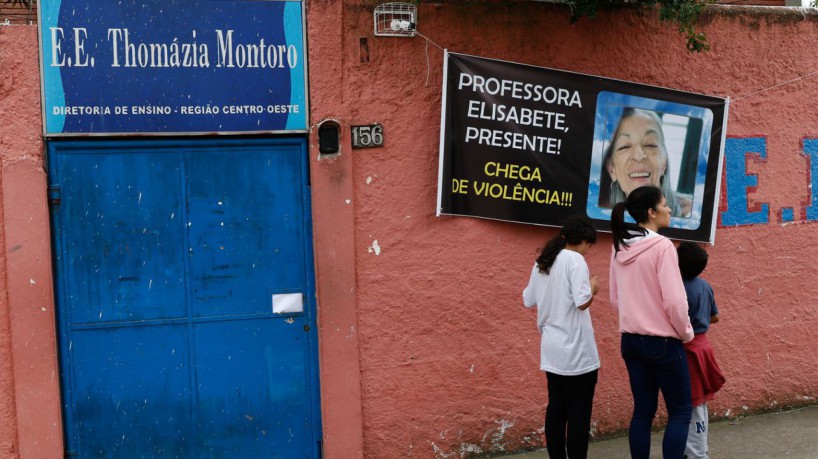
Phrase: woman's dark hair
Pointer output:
(637, 204)
(575, 230)
(692, 259)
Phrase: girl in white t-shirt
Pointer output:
(562, 290)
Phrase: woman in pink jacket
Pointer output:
(647, 290)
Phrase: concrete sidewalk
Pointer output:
(791, 434)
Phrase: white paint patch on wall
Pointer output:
(499, 433)
(465, 450)
(375, 248)
(494, 436)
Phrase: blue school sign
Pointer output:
(173, 67)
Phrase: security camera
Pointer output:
(398, 24)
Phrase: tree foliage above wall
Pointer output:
(683, 12)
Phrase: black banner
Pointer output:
(536, 145)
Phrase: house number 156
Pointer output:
(367, 136)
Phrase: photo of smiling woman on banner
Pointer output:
(637, 155)
(640, 141)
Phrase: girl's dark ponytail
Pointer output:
(574, 231)
(637, 204)
(549, 254)
(618, 225)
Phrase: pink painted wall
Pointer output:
(448, 357)
(30, 425)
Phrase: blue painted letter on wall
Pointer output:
(738, 181)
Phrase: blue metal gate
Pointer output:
(186, 314)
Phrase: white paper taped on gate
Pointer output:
(286, 303)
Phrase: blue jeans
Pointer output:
(657, 363)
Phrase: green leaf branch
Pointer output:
(684, 13)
